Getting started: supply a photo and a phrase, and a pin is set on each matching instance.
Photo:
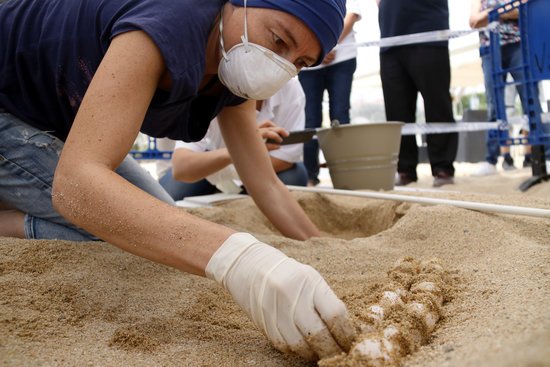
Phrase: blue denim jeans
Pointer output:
(511, 58)
(28, 158)
(336, 80)
(296, 175)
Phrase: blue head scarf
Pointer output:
(324, 17)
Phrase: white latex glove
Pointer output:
(289, 301)
(224, 180)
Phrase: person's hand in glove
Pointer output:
(289, 301)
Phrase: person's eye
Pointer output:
(278, 40)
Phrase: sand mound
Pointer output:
(65, 303)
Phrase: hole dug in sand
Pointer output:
(348, 217)
(405, 315)
(335, 216)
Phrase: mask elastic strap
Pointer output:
(244, 38)
(224, 54)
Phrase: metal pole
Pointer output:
(472, 205)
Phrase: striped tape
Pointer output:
(423, 37)
(446, 127)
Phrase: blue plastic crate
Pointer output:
(151, 152)
(534, 25)
(536, 30)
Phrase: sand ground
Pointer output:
(65, 303)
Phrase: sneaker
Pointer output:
(508, 164)
(403, 179)
(527, 162)
(485, 169)
(443, 178)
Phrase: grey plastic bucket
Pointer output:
(362, 156)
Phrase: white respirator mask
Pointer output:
(251, 71)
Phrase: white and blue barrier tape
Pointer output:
(423, 37)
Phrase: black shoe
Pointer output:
(527, 162)
(443, 178)
(508, 163)
(313, 182)
(403, 179)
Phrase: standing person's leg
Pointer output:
(509, 95)
(339, 82)
(313, 84)
(493, 147)
(512, 58)
(296, 175)
(431, 70)
(513, 55)
(400, 96)
(180, 190)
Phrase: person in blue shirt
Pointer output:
(80, 78)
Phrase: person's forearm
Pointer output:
(282, 209)
(479, 19)
(189, 166)
(478, 16)
(277, 203)
(512, 14)
(106, 205)
(87, 191)
(248, 152)
(349, 21)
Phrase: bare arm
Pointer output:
(349, 21)
(250, 157)
(90, 194)
(480, 18)
(513, 14)
(190, 166)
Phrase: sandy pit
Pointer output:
(65, 303)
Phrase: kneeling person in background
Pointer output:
(205, 167)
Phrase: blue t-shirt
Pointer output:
(401, 17)
(50, 50)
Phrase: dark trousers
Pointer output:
(405, 71)
(336, 80)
